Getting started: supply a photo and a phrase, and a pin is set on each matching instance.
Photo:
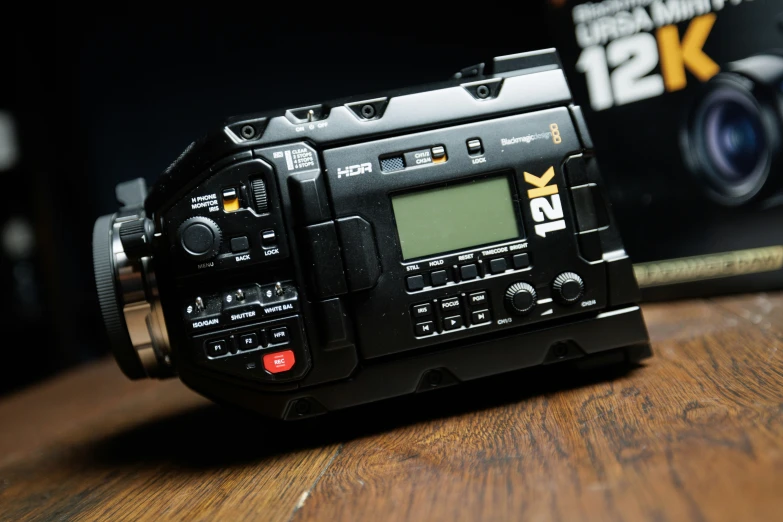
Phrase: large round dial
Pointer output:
(568, 287)
(520, 298)
(199, 238)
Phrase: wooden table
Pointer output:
(694, 434)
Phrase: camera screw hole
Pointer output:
(302, 407)
(248, 132)
(482, 91)
(434, 378)
(368, 111)
(560, 350)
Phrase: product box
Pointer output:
(684, 101)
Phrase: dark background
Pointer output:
(98, 99)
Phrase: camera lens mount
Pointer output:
(129, 300)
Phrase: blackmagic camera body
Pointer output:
(312, 259)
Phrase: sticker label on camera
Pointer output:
(545, 205)
(299, 158)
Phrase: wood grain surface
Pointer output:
(696, 433)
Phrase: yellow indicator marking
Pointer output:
(541, 183)
(442, 159)
(230, 200)
(677, 56)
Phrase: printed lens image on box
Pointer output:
(684, 100)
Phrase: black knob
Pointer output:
(258, 191)
(568, 287)
(200, 238)
(136, 237)
(520, 298)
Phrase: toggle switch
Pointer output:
(268, 238)
(475, 147)
(438, 154)
(230, 200)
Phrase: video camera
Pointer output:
(316, 258)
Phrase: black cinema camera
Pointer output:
(316, 258)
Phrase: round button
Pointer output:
(520, 298)
(568, 287)
(200, 238)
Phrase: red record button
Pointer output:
(279, 361)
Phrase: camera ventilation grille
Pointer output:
(390, 164)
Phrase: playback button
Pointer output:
(480, 317)
(425, 328)
(452, 323)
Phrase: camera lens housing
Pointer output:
(127, 287)
(732, 139)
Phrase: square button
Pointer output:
(415, 282)
(439, 278)
(452, 323)
(521, 261)
(426, 328)
(496, 266)
(217, 348)
(240, 244)
(480, 316)
(420, 310)
(478, 299)
(468, 272)
(279, 362)
(278, 335)
(248, 341)
(450, 305)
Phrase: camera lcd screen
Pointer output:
(455, 217)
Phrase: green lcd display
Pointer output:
(455, 217)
